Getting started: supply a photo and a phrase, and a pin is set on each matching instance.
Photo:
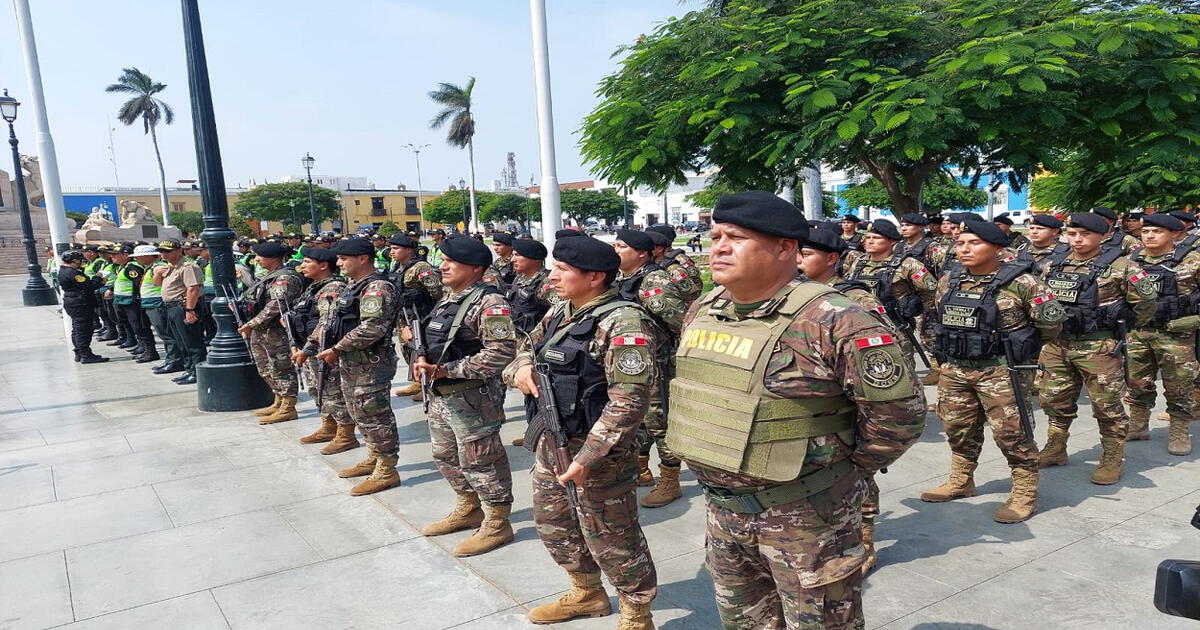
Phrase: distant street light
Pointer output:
(416, 149)
(462, 186)
(308, 162)
(37, 291)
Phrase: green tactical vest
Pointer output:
(151, 293)
(208, 288)
(721, 415)
(123, 284)
(93, 267)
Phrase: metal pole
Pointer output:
(37, 291)
(813, 200)
(312, 206)
(227, 380)
(551, 204)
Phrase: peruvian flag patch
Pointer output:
(280, 283)
(651, 293)
(547, 287)
(629, 340)
(1138, 277)
(920, 274)
(1042, 299)
(881, 310)
(874, 342)
(496, 311)
(425, 274)
(679, 275)
(372, 293)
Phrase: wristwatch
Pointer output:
(189, 310)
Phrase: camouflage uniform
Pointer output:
(604, 535)
(941, 254)
(464, 424)
(501, 273)
(798, 563)
(420, 288)
(269, 345)
(333, 404)
(1019, 241)
(530, 298)
(685, 273)
(909, 277)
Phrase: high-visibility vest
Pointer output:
(151, 293)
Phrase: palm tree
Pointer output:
(145, 106)
(456, 109)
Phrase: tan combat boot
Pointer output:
(408, 390)
(493, 532)
(1179, 441)
(868, 537)
(343, 441)
(1022, 501)
(363, 468)
(1139, 424)
(519, 441)
(383, 477)
(585, 599)
(667, 489)
(960, 483)
(634, 616)
(1054, 453)
(1162, 415)
(285, 412)
(466, 515)
(325, 433)
(645, 478)
(1112, 460)
(266, 411)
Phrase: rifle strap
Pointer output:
(458, 320)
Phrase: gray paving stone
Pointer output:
(136, 469)
(181, 432)
(137, 570)
(48, 527)
(55, 454)
(512, 619)
(34, 593)
(11, 440)
(198, 611)
(411, 583)
(891, 592)
(25, 485)
(339, 525)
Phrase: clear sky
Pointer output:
(345, 80)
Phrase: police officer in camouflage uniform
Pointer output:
(420, 288)
(599, 352)
(269, 345)
(642, 281)
(1043, 240)
(982, 307)
(470, 338)
(850, 233)
(357, 343)
(1103, 292)
(1116, 237)
(1017, 240)
(916, 243)
(1154, 346)
(531, 293)
(683, 270)
(788, 395)
(502, 267)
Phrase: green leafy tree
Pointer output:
(707, 198)
(448, 207)
(190, 222)
(897, 91)
(275, 202)
(389, 228)
(77, 217)
(941, 192)
(241, 226)
(509, 207)
(603, 205)
(145, 106)
(456, 109)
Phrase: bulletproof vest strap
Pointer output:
(472, 297)
(554, 334)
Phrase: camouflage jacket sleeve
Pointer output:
(659, 295)
(422, 275)
(284, 286)
(849, 258)
(624, 344)
(1037, 305)
(377, 308)
(1137, 289)
(922, 281)
(326, 300)
(1187, 274)
(490, 320)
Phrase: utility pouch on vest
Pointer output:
(1026, 344)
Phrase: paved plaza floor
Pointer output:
(122, 507)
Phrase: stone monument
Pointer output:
(137, 224)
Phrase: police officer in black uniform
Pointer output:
(79, 302)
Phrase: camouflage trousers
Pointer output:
(465, 430)
(1153, 350)
(333, 404)
(366, 381)
(605, 535)
(1069, 366)
(792, 566)
(870, 508)
(655, 424)
(969, 397)
(273, 357)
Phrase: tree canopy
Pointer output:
(188, 221)
(510, 207)
(900, 90)
(274, 202)
(447, 208)
(603, 205)
(941, 192)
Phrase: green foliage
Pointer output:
(77, 217)
(447, 208)
(707, 198)
(274, 202)
(607, 206)
(190, 222)
(941, 192)
(508, 207)
(241, 226)
(389, 228)
(456, 109)
(143, 105)
(899, 90)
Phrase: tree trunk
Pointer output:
(162, 179)
(474, 208)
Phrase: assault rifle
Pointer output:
(285, 312)
(420, 349)
(321, 369)
(1120, 348)
(547, 405)
(235, 304)
(906, 329)
(1014, 379)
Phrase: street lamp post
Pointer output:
(295, 222)
(227, 380)
(462, 186)
(37, 291)
(308, 161)
(416, 149)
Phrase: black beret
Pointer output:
(968, 217)
(635, 239)
(402, 240)
(988, 232)
(567, 233)
(851, 218)
(504, 238)
(529, 248)
(319, 254)
(353, 247)
(1047, 220)
(763, 212)
(937, 218)
(951, 218)
(660, 239)
(663, 229)
(1163, 221)
(1183, 216)
(1134, 216)
(271, 250)
(1002, 218)
(915, 218)
(1088, 221)
(884, 228)
(1105, 212)
(825, 240)
(466, 250)
(587, 253)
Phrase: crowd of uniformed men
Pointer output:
(785, 389)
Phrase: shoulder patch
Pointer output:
(80, 278)
(425, 274)
(630, 340)
(651, 293)
(679, 276)
(496, 311)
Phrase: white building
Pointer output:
(335, 182)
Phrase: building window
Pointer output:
(377, 203)
(177, 206)
(378, 212)
(356, 201)
(410, 205)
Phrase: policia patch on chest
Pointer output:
(881, 368)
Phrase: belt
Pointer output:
(782, 494)
(173, 303)
(448, 386)
(1097, 335)
(976, 363)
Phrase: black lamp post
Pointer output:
(462, 186)
(37, 291)
(227, 380)
(295, 221)
(308, 162)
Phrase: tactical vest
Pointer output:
(1116, 239)
(672, 260)
(920, 251)
(580, 384)
(721, 413)
(630, 290)
(902, 310)
(447, 339)
(304, 316)
(1078, 292)
(346, 315)
(527, 309)
(1169, 304)
(1038, 265)
(506, 273)
(417, 298)
(125, 290)
(968, 322)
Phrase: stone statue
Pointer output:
(98, 219)
(33, 181)
(135, 213)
